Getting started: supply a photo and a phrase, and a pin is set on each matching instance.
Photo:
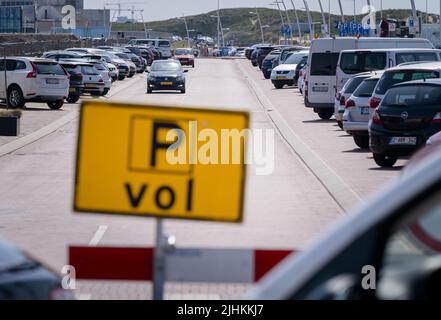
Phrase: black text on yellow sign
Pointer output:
(161, 161)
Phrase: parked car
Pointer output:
(358, 111)
(285, 53)
(185, 56)
(34, 80)
(128, 60)
(22, 277)
(92, 79)
(409, 114)
(60, 55)
(267, 64)
(76, 84)
(166, 75)
(404, 73)
(123, 66)
(287, 72)
(345, 93)
(102, 69)
(387, 249)
(261, 53)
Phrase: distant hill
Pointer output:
(243, 25)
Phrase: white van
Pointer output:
(322, 61)
(352, 62)
(163, 45)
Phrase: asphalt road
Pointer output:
(284, 210)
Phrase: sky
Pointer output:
(165, 9)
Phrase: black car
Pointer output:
(166, 75)
(24, 278)
(409, 114)
(261, 54)
(254, 58)
(76, 84)
(267, 64)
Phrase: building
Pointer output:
(46, 16)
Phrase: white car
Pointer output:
(33, 80)
(285, 73)
(342, 96)
(358, 111)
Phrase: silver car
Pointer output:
(358, 111)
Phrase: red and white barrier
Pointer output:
(182, 265)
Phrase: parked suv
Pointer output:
(261, 54)
(60, 55)
(409, 114)
(267, 64)
(34, 80)
(76, 84)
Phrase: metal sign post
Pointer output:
(159, 262)
(6, 79)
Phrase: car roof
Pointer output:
(34, 59)
(418, 65)
(392, 50)
(419, 82)
(77, 61)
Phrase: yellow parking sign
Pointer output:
(163, 162)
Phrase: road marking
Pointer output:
(98, 236)
(341, 192)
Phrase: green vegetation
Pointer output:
(243, 25)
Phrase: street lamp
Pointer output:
(276, 3)
(260, 24)
(298, 22)
(188, 31)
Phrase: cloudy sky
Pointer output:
(164, 9)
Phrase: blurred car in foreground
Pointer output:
(388, 249)
(24, 278)
(409, 114)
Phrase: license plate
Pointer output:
(52, 81)
(365, 110)
(72, 90)
(90, 85)
(320, 89)
(169, 83)
(403, 141)
(280, 78)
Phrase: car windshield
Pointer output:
(49, 68)
(295, 58)
(394, 77)
(357, 62)
(89, 71)
(183, 52)
(352, 84)
(413, 96)
(366, 88)
(166, 66)
(324, 64)
(123, 56)
(164, 43)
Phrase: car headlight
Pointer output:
(151, 78)
(181, 78)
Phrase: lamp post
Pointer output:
(297, 19)
(260, 24)
(311, 26)
(341, 11)
(276, 3)
(188, 31)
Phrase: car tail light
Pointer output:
(437, 117)
(349, 104)
(376, 118)
(374, 102)
(33, 73)
(306, 88)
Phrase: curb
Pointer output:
(342, 194)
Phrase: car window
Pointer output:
(413, 242)
(394, 77)
(163, 43)
(413, 96)
(357, 62)
(182, 52)
(166, 66)
(417, 56)
(295, 58)
(352, 84)
(324, 64)
(89, 71)
(49, 68)
(366, 88)
(10, 65)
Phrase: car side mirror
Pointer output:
(185, 71)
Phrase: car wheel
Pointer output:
(106, 91)
(183, 90)
(121, 78)
(149, 90)
(55, 105)
(278, 85)
(15, 97)
(291, 83)
(267, 76)
(73, 98)
(340, 124)
(192, 65)
(384, 160)
(362, 141)
(325, 114)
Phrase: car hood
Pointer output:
(165, 74)
(285, 67)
